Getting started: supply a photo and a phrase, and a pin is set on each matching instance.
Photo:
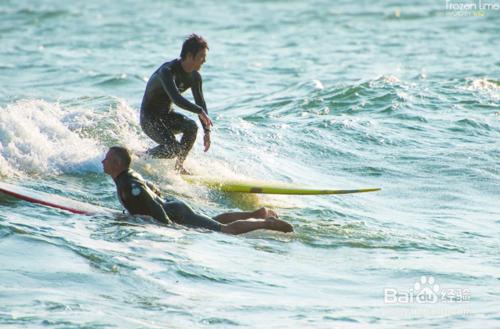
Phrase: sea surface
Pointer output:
(402, 95)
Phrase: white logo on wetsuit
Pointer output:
(135, 190)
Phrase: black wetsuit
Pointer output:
(158, 119)
(140, 197)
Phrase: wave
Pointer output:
(357, 234)
(312, 98)
(38, 137)
(489, 87)
(39, 14)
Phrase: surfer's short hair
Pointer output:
(122, 154)
(193, 44)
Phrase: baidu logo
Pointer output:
(426, 291)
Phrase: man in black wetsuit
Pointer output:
(143, 198)
(159, 121)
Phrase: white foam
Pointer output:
(489, 87)
(39, 137)
(35, 140)
(484, 84)
(318, 85)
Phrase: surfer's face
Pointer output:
(199, 59)
(109, 163)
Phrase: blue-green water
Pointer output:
(403, 95)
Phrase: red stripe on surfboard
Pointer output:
(45, 203)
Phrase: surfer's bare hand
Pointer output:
(205, 119)
(206, 140)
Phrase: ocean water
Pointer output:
(402, 95)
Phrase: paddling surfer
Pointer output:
(143, 198)
(159, 121)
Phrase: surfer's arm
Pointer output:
(139, 201)
(168, 84)
(197, 90)
(155, 189)
(157, 212)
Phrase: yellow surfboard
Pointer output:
(242, 186)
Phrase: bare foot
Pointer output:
(265, 213)
(276, 224)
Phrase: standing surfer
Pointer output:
(159, 121)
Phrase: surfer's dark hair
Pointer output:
(123, 155)
(193, 44)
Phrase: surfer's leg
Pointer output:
(161, 133)
(244, 226)
(189, 129)
(234, 216)
(182, 214)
